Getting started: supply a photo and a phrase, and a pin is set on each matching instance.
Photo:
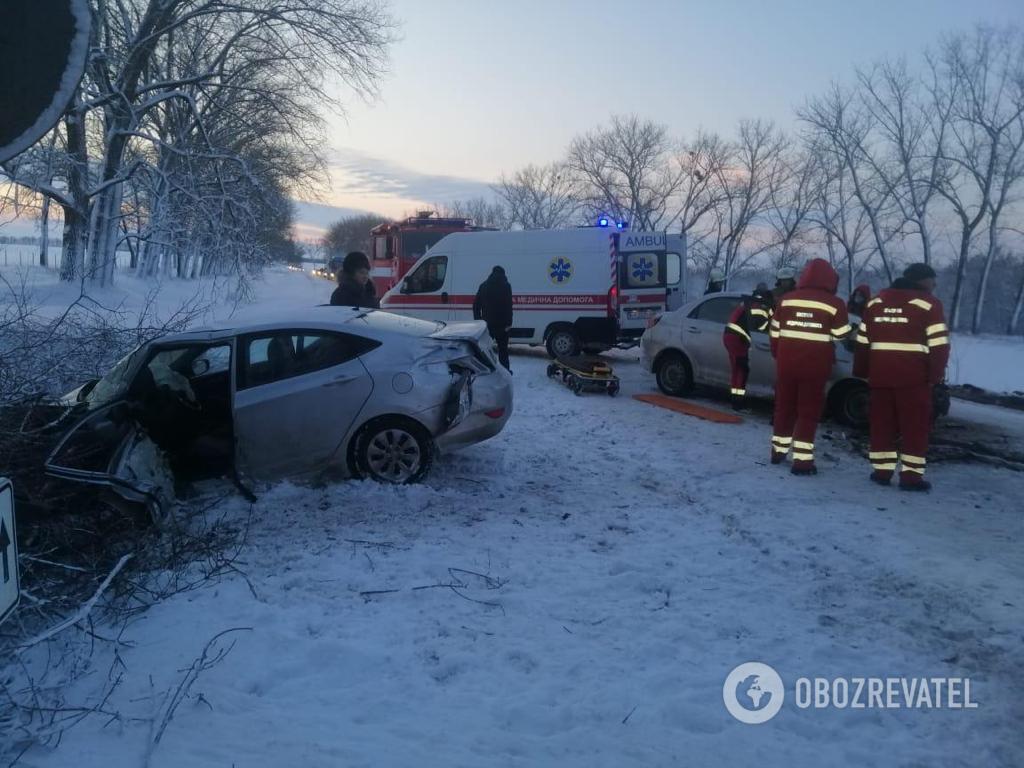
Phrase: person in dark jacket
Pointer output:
(493, 305)
(355, 288)
(859, 300)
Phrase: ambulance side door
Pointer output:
(426, 291)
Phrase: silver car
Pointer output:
(684, 348)
(313, 393)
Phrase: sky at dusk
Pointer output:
(477, 88)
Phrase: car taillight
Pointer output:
(497, 413)
(613, 301)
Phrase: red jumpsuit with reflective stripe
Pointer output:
(902, 350)
(750, 316)
(803, 328)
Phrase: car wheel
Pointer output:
(674, 375)
(563, 342)
(394, 450)
(850, 406)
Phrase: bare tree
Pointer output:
(627, 170)
(838, 122)
(744, 184)
(481, 211)
(352, 233)
(910, 131)
(144, 107)
(792, 182)
(540, 196)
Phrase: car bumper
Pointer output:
(649, 349)
(490, 412)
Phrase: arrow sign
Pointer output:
(5, 542)
(10, 590)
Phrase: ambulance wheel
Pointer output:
(613, 388)
(563, 342)
(674, 374)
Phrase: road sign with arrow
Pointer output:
(9, 587)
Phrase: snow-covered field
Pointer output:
(995, 363)
(574, 592)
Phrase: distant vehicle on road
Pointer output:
(684, 348)
(573, 289)
(307, 394)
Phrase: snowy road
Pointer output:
(612, 563)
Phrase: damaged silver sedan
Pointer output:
(321, 392)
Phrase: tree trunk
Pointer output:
(958, 286)
(72, 261)
(1018, 305)
(44, 230)
(986, 271)
(75, 237)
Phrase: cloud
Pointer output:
(360, 174)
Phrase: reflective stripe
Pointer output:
(883, 467)
(938, 341)
(862, 338)
(841, 331)
(914, 459)
(775, 323)
(782, 440)
(809, 304)
(887, 346)
(915, 470)
(736, 391)
(773, 334)
(798, 444)
(874, 301)
(735, 328)
(931, 330)
(883, 455)
(925, 305)
(805, 335)
(759, 312)
(803, 456)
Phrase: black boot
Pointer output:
(919, 485)
(882, 478)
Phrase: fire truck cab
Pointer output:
(396, 246)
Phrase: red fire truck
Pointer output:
(397, 246)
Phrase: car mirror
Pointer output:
(200, 366)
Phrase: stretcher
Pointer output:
(584, 373)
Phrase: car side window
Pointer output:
(282, 355)
(715, 310)
(428, 277)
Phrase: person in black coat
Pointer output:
(355, 288)
(493, 305)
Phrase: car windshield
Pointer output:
(114, 384)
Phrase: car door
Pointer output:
(297, 393)
(762, 365)
(702, 339)
(108, 448)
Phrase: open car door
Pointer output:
(108, 448)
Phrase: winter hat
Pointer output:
(355, 261)
(918, 272)
(716, 275)
(786, 273)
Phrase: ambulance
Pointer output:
(590, 288)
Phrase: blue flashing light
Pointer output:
(603, 221)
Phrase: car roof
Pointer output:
(255, 319)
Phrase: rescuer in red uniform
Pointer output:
(806, 322)
(902, 350)
(751, 315)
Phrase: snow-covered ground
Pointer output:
(995, 363)
(610, 562)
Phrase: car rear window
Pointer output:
(716, 310)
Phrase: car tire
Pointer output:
(674, 374)
(850, 405)
(393, 450)
(562, 342)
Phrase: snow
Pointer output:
(995, 363)
(612, 562)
